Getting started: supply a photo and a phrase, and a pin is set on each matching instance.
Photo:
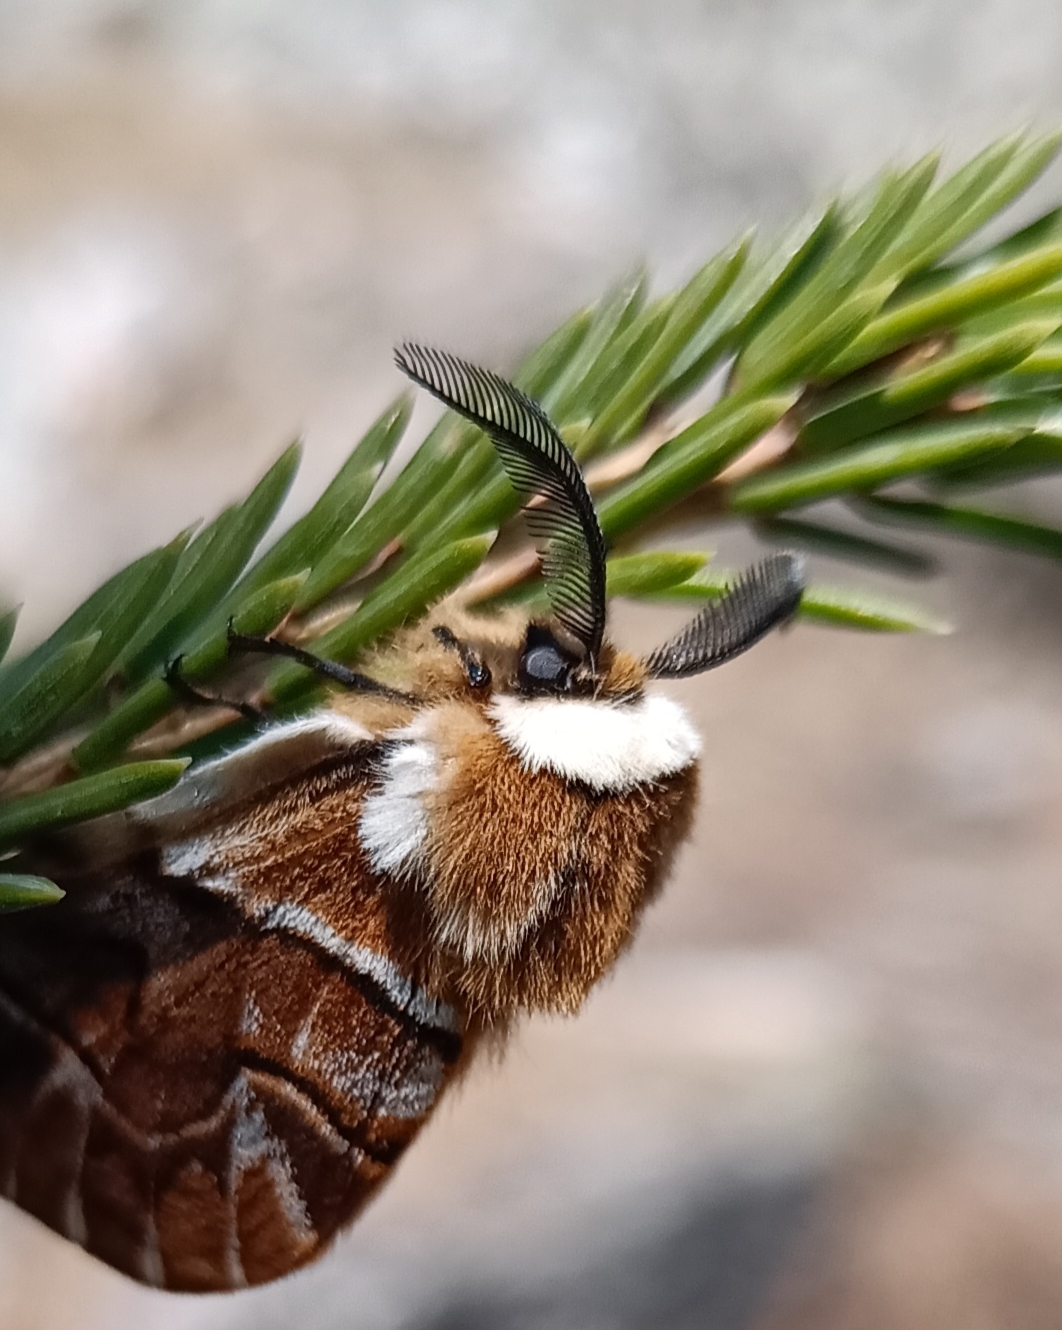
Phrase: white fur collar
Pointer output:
(610, 746)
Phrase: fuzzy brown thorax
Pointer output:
(535, 826)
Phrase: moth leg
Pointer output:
(193, 697)
(325, 669)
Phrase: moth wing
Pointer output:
(211, 1054)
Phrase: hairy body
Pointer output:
(261, 983)
(213, 1052)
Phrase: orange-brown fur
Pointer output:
(499, 834)
(534, 884)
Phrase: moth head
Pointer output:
(476, 658)
(568, 655)
(541, 663)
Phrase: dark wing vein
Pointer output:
(539, 464)
(764, 597)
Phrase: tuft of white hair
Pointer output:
(393, 827)
(610, 746)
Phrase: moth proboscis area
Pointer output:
(213, 1052)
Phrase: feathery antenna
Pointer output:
(537, 462)
(763, 598)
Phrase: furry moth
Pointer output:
(215, 1050)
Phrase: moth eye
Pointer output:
(543, 666)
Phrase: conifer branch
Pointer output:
(875, 354)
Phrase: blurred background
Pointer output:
(826, 1088)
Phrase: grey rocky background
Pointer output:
(826, 1090)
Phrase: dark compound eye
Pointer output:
(543, 665)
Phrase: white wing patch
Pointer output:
(393, 827)
(610, 746)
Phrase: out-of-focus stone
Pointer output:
(927, 1232)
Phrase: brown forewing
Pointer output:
(212, 1053)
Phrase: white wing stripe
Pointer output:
(297, 921)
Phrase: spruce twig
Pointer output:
(875, 354)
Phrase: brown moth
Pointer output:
(214, 1051)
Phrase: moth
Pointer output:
(214, 1051)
